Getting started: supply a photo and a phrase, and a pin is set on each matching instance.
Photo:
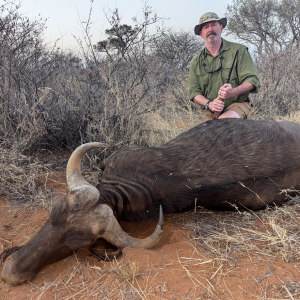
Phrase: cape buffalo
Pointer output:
(219, 165)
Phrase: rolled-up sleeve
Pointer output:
(194, 85)
(246, 69)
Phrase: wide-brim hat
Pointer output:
(208, 17)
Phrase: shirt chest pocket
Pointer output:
(226, 71)
(203, 77)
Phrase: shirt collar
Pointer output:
(206, 52)
(226, 45)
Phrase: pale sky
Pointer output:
(64, 16)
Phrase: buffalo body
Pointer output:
(220, 165)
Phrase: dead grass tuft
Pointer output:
(274, 232)
(128, 271)
(294, 117)
(23, 179)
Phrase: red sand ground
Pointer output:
(174, 269)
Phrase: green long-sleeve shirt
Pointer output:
(201, 82)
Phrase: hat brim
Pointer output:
(198, 27)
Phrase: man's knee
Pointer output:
(241, 109)
(229, 114)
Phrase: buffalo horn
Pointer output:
(119, 238)
(114, 232)
(74, 176)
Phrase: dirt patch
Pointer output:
(177, 268)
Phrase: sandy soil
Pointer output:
(175, 269)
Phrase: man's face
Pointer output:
(211, 32)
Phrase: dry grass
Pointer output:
(19, 175)
(293, 117)
(24, 179)
(271, 236)
(273, 232)
(163, 129)
(128, 271)
(278, 95)
(85, 280)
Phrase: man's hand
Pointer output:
(216, 105)
(226, 91)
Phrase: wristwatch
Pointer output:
(206, 105)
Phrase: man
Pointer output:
(209, 71)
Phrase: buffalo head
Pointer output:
(77, 222)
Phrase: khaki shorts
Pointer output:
(242, 109)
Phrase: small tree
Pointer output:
(119, 38)
(122, 37)
(256, 22)
(127, 82)
(266, 24)
(289, 14)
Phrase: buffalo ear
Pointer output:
(82, 198)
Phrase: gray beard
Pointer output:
(212, 40)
